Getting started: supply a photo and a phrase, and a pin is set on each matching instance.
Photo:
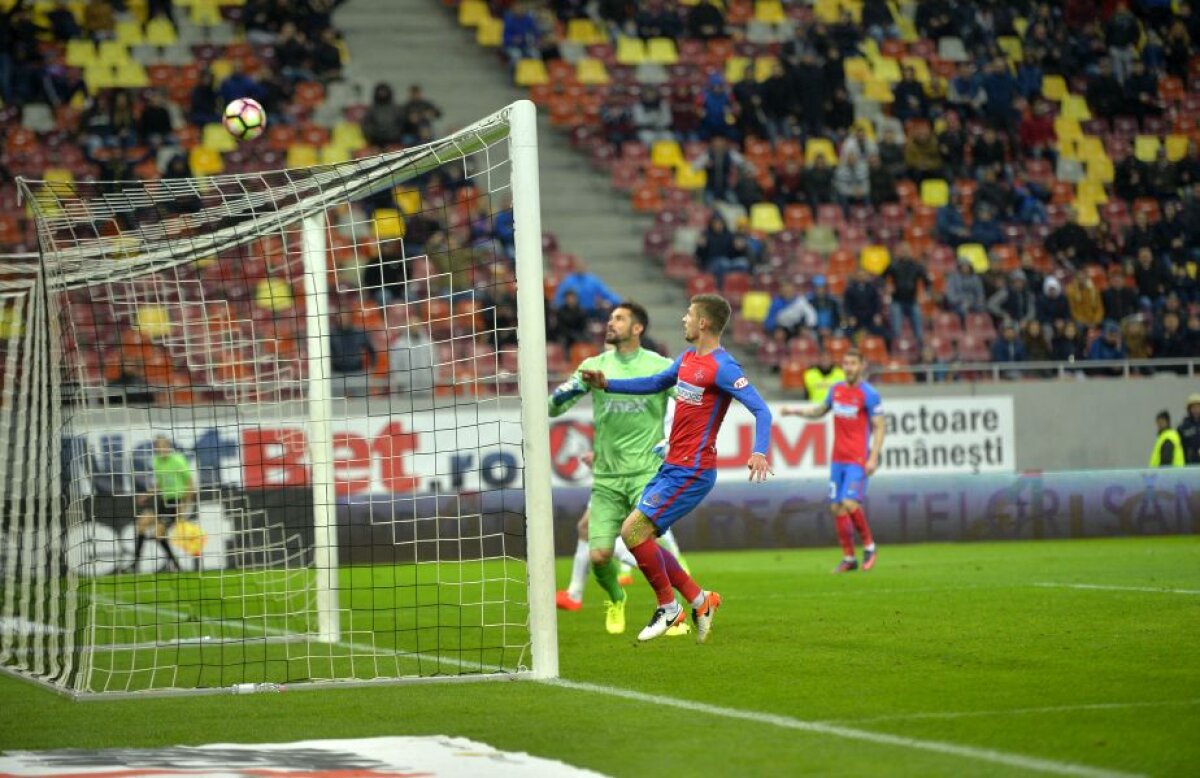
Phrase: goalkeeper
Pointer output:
(628, 429)
(174, 492)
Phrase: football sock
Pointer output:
(606, 576)
(869, 547)
(696, 603)
(579, 570)
(679, 577)
(860, 523)
(667, 541)
(621, 551)
(845, 532)
(170, 554)
(137, 548)
(650, 562)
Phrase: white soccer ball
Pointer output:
(245, 119)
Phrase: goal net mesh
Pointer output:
(265, 428)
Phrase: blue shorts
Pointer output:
(847, 482)
(673, 492)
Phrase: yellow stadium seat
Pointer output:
(666, 153)
(755, 306)
(1177, 147)
(976, 254)
(159, 32)
(690, 180)
(765, 217)
(935, 192)
(274, 294)
(389, 224)
(80, 53)
(221, 69)
(630, 51)
(590, 71)
(1087, 214)
(1054, 87)
(1011, 46)
(490, 32)
(857, 68)
(112, 52)
(130, 75)
(769, 12)
(764, 67)
(875, 259)
(154, 321)
(920, 68)
(585, 32)
(205, 13)
(205, 161)
(129, 33)
(1089, 147)
(827, 11)
(1076, 107)
(886, 69)
(1067, 128)
(1020, 25)
(409, 200)
(735, 68)
(214, 136)
(870, 49)
(334, 154)
(531, 72)
(1088, 191)
(867, 127)
(1100, 169)
(1145, 148)
(820, 147)
(348, 135)
(906, 28)
(99, 76)
(300, 155)
(471, 13)
(879, 91)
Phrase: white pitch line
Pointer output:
(1020, 761)
(1107, 588)
(1017, 711)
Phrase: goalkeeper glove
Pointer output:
(660, 449)
(568, 390)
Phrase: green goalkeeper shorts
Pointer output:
(613, 499)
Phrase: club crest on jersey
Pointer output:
(688, 393)
(741, 383)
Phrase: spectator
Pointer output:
(839, 111)
(419, 115)
(777, 102)
(964, 93)
(1084, 301)
(570, 321)
(789, 314)
(1141, 234)
(293, 54)
(986, 228)
(1037, 133)
(818, 182)
(327, 56)
(909, 100)
(852, 180)
(705, 21)
(1141, 93)
(410, 360)
(789, 183)
(720, 251)
(1008, 349)
(1000, 88)
(1104, 94)
(829, 314)
(1120, 299)
(1151, 277)
(964, 290)
(1189, 431)
(821, 377)
(812, 91)
(723, 167)
(922, 156)
(1170, 340)
(1070, 345)
(989, 150)
(880, 182)
(1070, 244)
(595, 298)
(1052, 307)
(154, 124)
(717, 108)
(858, 145)
(934, 368)
(655, 19)
(1107, 347)
(1168, 447)
(63, 25)
(652, 117)
(98, 20)
(952, 146)
(1162, 177)
(237, 84)
(1033, 337)
(686, 113)
(864, 306)
(1129, 177)
(1136, 340)
(906, 276)
(383, 124)
(891, 153)
(877, 19)
(350, 347)
(520, 37)
(1014, 302)
(951, 225)
(1122, 32)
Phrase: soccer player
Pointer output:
(174, 490)
(858, 429)
(706, 378)
(626, 431)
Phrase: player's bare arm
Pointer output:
(807, 411)
(878, 429)
(759, 468)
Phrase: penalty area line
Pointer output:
(1018, 711)
(1111, 588)
(971, 753)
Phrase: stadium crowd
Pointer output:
(944, 181)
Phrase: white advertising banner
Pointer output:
(464, 449)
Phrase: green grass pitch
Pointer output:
(1077, 657)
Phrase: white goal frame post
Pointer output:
(88, 260)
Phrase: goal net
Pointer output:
(281, 428)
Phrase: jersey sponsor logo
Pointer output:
(625, 404)
(741, 383)
(569, 441)
(845, 410)
(688, 393)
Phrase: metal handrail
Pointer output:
(1000, 371)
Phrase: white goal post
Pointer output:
(285, 427)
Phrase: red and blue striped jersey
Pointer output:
(853, 409)
(704, 387)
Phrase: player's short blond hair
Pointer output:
(715, 309)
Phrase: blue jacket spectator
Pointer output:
(593, 293)
(1108, 345)
(1008, 347)
(520, 36)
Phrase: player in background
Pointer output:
(858, 429)
(174, 491)
(706, 378)
(626, 431)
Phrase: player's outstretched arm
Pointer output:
(807, 411)
(652, 384)
(568, 392)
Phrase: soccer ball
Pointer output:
(245, 119)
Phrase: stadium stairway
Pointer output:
(404, 42)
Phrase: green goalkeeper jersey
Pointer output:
(627, 426)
